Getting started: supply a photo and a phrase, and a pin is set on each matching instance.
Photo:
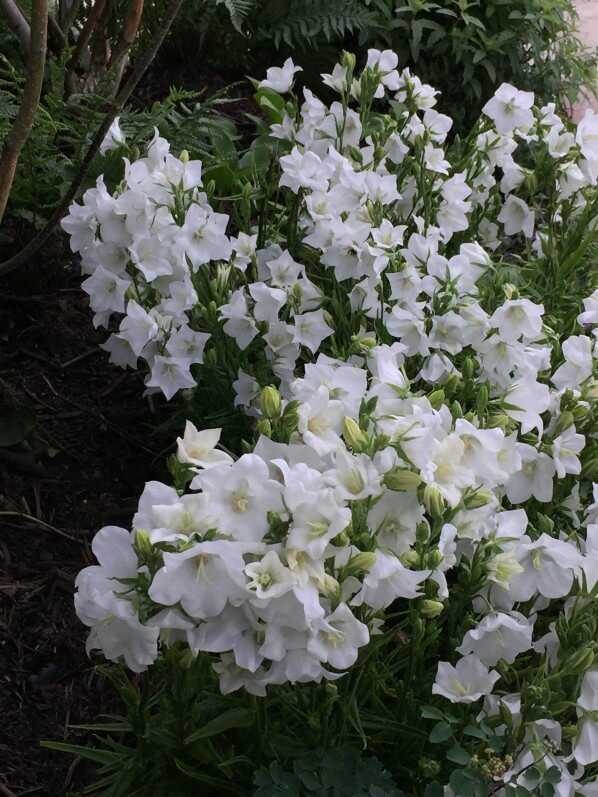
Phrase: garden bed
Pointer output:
(95, 452)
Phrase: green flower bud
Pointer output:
(468, 369)
(499, 420)
(431, 609)
(402, 480)
(410, 558)
(433, 501)
(456, 410)
(531, 181)
(348, 60)
(590, 391)
(565, 420)
(264, 427)
(451, 384)
(143, 546)
(544, 524)
(270, 402)
(482, 401)
(478, 499)
(510, 291)
(422, 532)
(434, 558)
(437, 399)
(580, 413)
(353, 435)
(581, 661)
(184, 156)
(361, 563)
(363, 344)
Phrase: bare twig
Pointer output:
(16, 22)
(21, 128)
(115, 108)
(42, 524)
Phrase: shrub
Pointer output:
(410, 521)
(465, 49)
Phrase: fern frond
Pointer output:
(238, 10)
(301, 22)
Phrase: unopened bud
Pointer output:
(437, 399)
(410, 558)
(468, 368)
(264, 427)
(499, 421)
(270, 402)
(451, 384)
(431, 608)
(456, 410)
(353, 435)
(143, 545)
(531, 181)
(544, 524)
(581, 661)
(402, 480)
(434, 558)
(590, 391)
(580, 413)
(361, 563)
(348, 60)
(364, 344)
(482, 401)
(184, 156)
(433, 501)
(510, 291)
(478, 499)
(422, 532)
(564, 421)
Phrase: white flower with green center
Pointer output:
(466, 682)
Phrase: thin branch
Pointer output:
(21, 128)
(124, 43)
(16, 22)
(57, 37)
(116, 107)
(84, 36)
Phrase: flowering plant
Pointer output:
(402, 319)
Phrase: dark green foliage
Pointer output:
(342, 772)
(64, 128)
(465, 49)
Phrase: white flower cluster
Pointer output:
(430, 423)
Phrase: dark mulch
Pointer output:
(91, 453)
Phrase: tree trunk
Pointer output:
(21, 128)
(16, 22)
(123, 95)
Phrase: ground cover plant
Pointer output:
(396, 550)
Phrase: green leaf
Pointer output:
(235, 718)
(16, 422)
(432, 713)
(220, 786)
(440, 732)
(458, 755)
(90, 753)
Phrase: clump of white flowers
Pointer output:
(423, 422)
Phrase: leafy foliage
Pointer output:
(327, 773)
(465, 49)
